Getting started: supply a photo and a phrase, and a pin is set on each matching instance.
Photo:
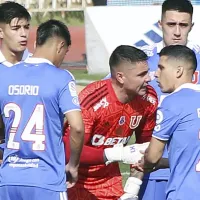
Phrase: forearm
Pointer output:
(163, 163)
(76, 139)
(89, 155)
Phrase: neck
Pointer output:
(121, 94)
(181, 82)
(43, 53)
(12, 57)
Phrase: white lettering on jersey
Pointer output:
(195, 78)
(23, 90)
(103, 103)
(152, 75)
(98, 140)
(135, 120)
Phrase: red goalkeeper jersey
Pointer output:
(109, 122)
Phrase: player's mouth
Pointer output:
(176, 41)
(23, 43)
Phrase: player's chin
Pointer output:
(142, 91)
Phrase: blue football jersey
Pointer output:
(34, 96)
(153, 58)
(178, 123)
(152, 52)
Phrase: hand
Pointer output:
(127, 196)
(72, 175)
(133, 154)
(130, 154)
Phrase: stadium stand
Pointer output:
(76, 5)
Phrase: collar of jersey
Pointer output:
(37, 60)
(188, 86)
(161, 45)
(3, 61)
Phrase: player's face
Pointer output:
(15, 35)
(176, 27)
(136, 78)
(165, 75)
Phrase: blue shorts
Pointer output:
(153, 190)
(15, 192)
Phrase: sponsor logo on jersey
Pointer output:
(159, 119)
(72, 88)
(103, 103)
(75, 101)
(98, 140)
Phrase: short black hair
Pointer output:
(50, 29)
(180, 52)
(10, 10)
(177, 5)
(126, 53)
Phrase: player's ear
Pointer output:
(179, 71)
(1, 33)
(61, 44)
(160, 24)
(191, 26)
(119, 77)
(34, 45)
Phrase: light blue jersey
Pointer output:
(178, 123)
(152, 52)
(34, 96)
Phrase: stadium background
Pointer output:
(71, 12)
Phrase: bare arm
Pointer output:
(153, 153)
(75, 121)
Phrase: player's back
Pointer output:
(29, 99)
(184, 144)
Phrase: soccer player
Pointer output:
(178, 123)
(35, 96)
(14, 32)
(176, 23)
(113, 110)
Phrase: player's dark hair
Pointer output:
(50, 29)
(10, 10)
(180, 52)
(177, 5)
(126, 53)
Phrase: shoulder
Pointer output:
(93, 93)
(150, 50)
(194, 47)
(151, 96)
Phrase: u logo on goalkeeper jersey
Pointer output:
(135, 121)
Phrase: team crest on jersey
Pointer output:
(135, 121)
(122, 120)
